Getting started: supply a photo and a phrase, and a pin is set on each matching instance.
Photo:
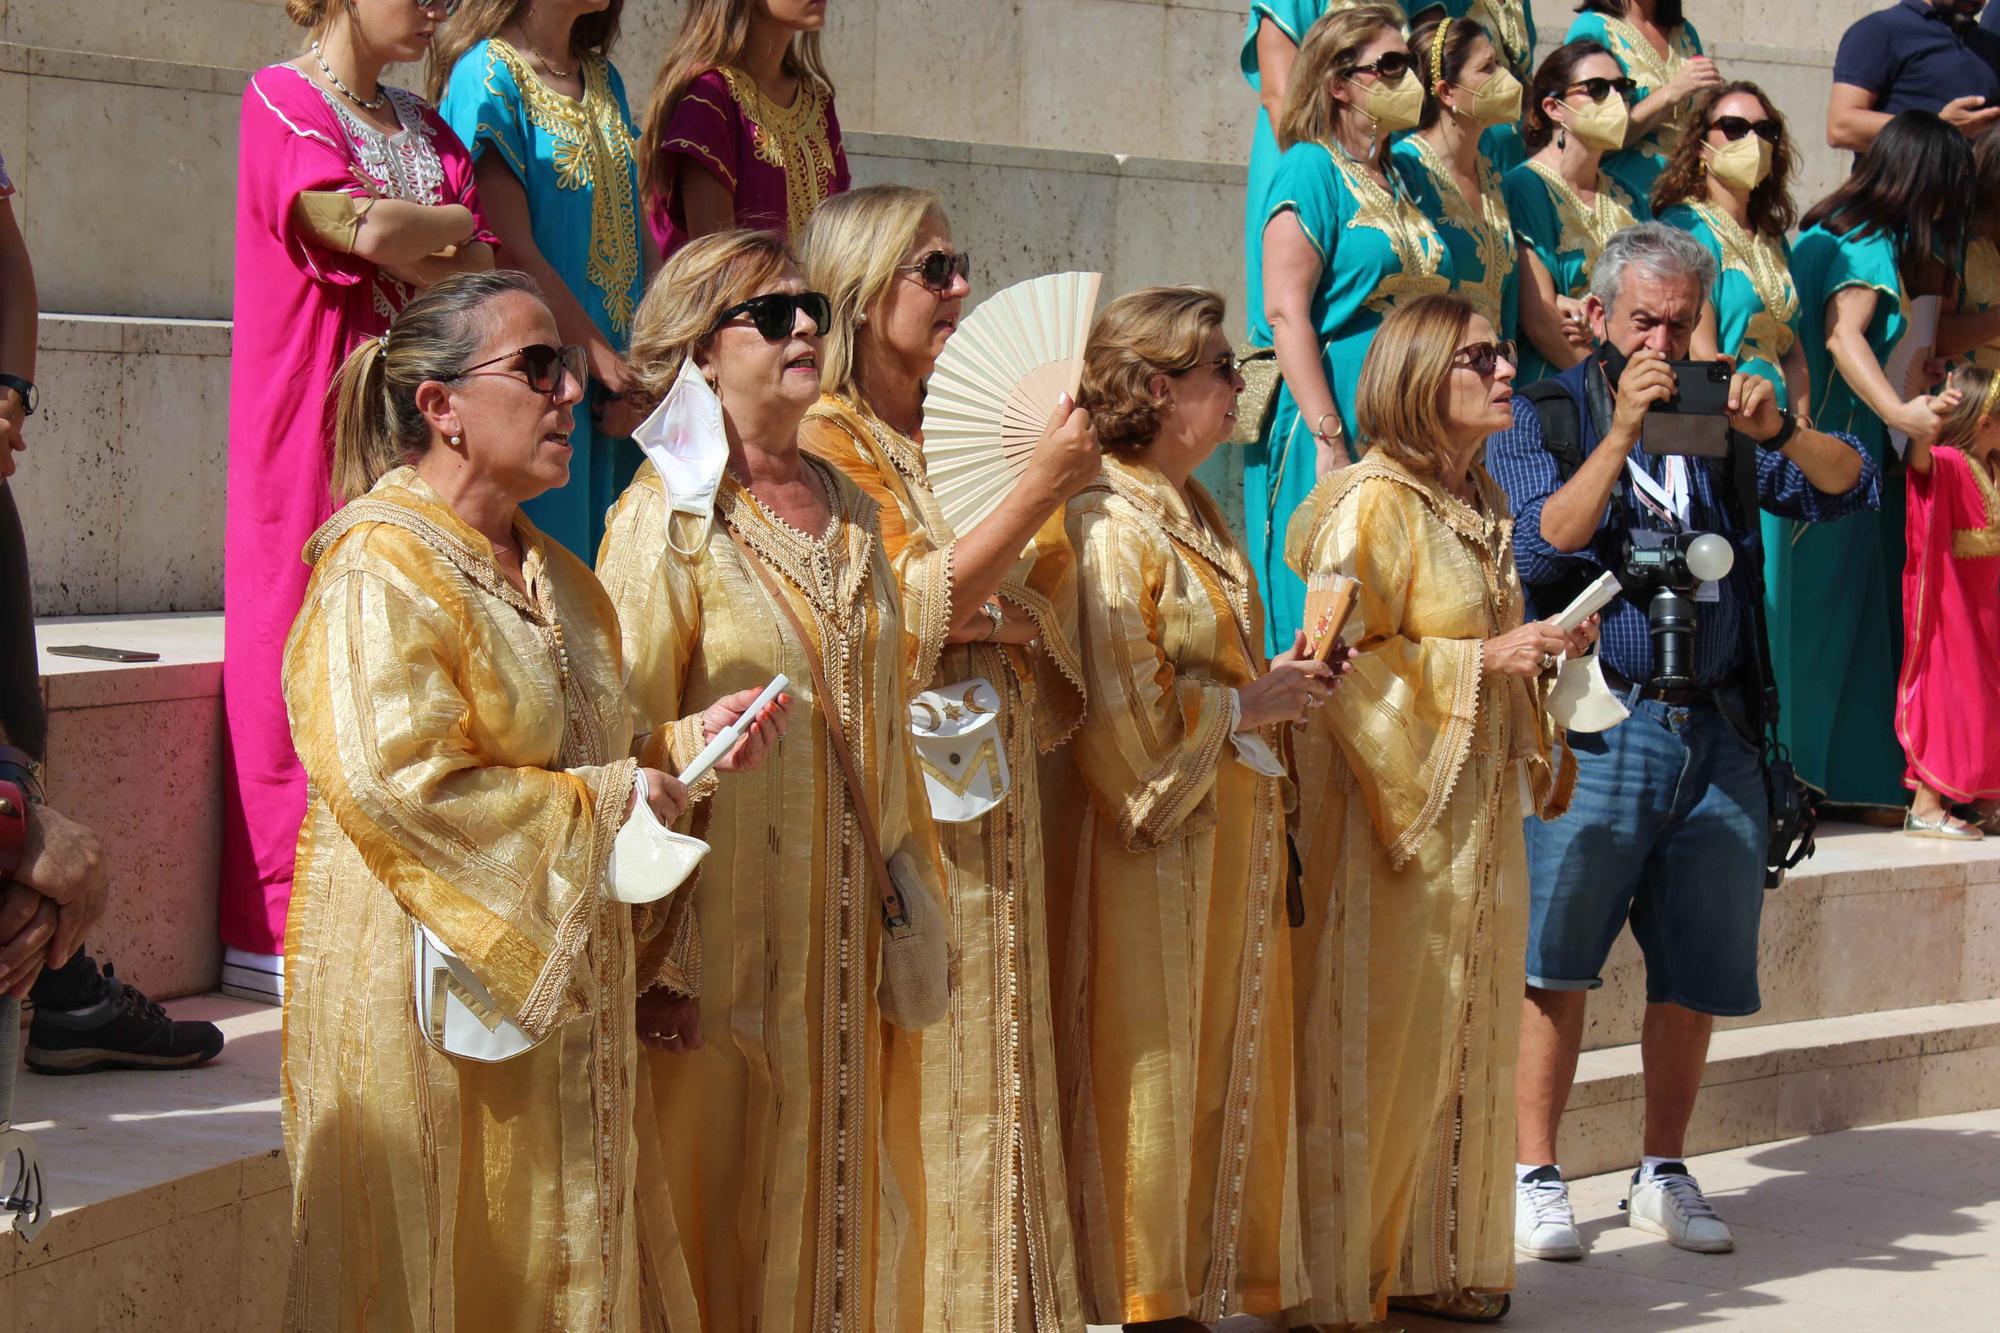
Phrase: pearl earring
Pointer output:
(457, 440)
(861, 318)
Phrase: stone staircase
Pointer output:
(1063, 134)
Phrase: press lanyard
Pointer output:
(1669, 503)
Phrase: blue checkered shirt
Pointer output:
(1527, 472)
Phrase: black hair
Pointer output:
(1912, 184)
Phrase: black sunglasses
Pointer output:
(1224, 367)
(1481, 358)
(542, 366)
(776, 313)
(1388, 65)
(1733, 128)
(1599, 89)
(936, 269)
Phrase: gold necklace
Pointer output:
(1756, 257)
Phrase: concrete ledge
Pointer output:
(1876, 921)
(170, 1190)
(1787, 1080)
(135, 751)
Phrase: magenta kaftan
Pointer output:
(780, 162)
(300, 308)
(1948, 701)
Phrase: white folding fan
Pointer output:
(996, 385)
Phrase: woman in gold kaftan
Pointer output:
(780, 1136)
(1410, 966)
(1167, 820)
(998, 1238)
(453, 686)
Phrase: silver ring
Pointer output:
(1548, 661)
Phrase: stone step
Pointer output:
(170, 1195)
(1786, 1080)
(1158, 78)
(1876, 921)
(137, 158)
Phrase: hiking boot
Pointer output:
(1668, 1202)
(1544, 1223)
(119, 1029)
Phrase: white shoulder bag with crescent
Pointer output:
(960, 749)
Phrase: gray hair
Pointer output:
(1661, 252)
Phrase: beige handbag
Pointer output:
(1259, 368)
(914, 990)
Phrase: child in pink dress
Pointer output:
(301, 306)
(733, 138)
(1948, 700)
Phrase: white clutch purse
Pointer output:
(457, 1014)
(648, 859)
(957, 729)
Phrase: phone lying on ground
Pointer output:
(97, 654)
(1695, 421)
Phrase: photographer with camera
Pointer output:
(1671, 822)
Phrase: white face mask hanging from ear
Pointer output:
(685, 440)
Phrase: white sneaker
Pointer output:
(1669, 1203)
(1544, 1224)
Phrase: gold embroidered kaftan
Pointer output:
(1174, 981)
(788, 1145)
(466, 747)
(997, 1225)
(1416, 894)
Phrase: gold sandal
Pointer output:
(1947, 827)
(1458, 1307)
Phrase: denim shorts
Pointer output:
(1667, 830)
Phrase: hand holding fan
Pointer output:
(996, 385)
(1330, 600)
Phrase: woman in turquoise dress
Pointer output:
(1343, 244)
(1563, 204)
(1270, 48)
(1728, 184)
(1661, 53)
(1510, 25)
(1468, 90)
(531, 91)
(1862, 254)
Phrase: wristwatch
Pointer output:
(26, 389)
(1786, 429)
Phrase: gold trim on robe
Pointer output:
(999, 1229)
(1415, 888)
(1167, 871)
(467, 749)
(793, 1182)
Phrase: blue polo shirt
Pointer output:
(1913, 59)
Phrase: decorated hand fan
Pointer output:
(996, 384)
(1330, 600)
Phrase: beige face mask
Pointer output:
(1496, 101)
(1602, 125)
(1744, 163)
(1397, 106)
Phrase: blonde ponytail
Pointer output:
(377, 426)
(307, 13)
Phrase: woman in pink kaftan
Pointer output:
(1948, 700)
(303, 300)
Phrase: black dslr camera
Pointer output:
(1673, 569)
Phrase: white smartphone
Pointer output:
(725, 740)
